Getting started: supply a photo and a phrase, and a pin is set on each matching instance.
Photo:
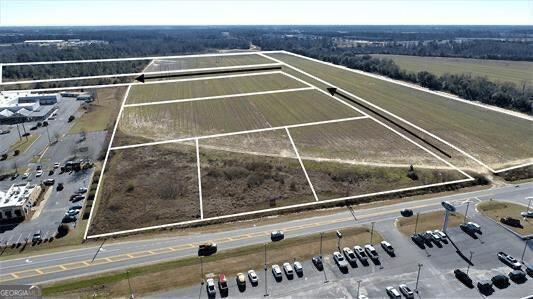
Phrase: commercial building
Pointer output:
(16, 203)
(16, 107)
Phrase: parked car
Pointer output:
(371, 252)
(298, 268)
(463, 277)
(72, 212)
(509, 260)
(82, 190)
(406, 291)
(440, 233)
(276, 271)
(67, 219)
(393, 293)
(517, 275)
(474, 226)
(417, 239)
(339, 260)
(14, 176)
(38, 173)
(207, 249)
(435, 238)
(49, 182)
(56, 165)
(467, 229)
(51, 172)
(76, 207)
(350, 255)
(484, 285)
(277, 235)
(25, 175)
(77, 198)
(387, 247)
(252, 276)
(36, 237)
(317, 261)
(60, 186)
(500, 280)
(511, 221)
(38, 167)
(527, 214)
(241, 280)
(222, 284)
(360, 253)
(210, 287)
(287, 268)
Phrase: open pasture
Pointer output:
(517, 72)
(497, 139)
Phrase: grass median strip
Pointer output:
(186, 272)
(23, 144)
(496, 210)
(427, 221)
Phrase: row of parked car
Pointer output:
(74, 210)
(429, 238)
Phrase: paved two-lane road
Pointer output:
(38, 269)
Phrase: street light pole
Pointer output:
(529, 203)
(323, 268)
(468, 268)
(416, 222)
(466, 213)
(371, 231)
(129, 285)
(266, 288)
(524, 252)
(202, 270)
(418, 277)
(358, 285)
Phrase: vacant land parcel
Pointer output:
(517, 72)
(172, 64)
(246, 145)
(497, 139)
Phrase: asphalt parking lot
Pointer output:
(436, 275)
(52, 210)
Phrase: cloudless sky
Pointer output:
(221, 12)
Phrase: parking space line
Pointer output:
(62, 267)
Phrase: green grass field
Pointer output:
(205, 62)
(215, 87)
(361, 141)
(517, 72)
(497, 139)
(189, 119)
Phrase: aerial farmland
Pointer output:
(263, 141)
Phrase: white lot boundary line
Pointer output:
(199, 179)
(371, 117)
(301, 164)
(405, 121)
(514, 167)
(308, 204)
(147, 83)
(383, 110)
(237, 133)
(137, 58)
(183, 71)
(417, 87)
(235, 95)
(91, 215)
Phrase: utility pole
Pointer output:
(418, 277)
(266, 269)
(339, 237)
(358, 285)
(48, 134)
(323, 268)
(18, 130)
(468, 268)
(524, 252)
(416, 222)
(371, 231)
(466, 213)
(129, 285)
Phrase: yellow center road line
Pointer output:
(182, 247)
